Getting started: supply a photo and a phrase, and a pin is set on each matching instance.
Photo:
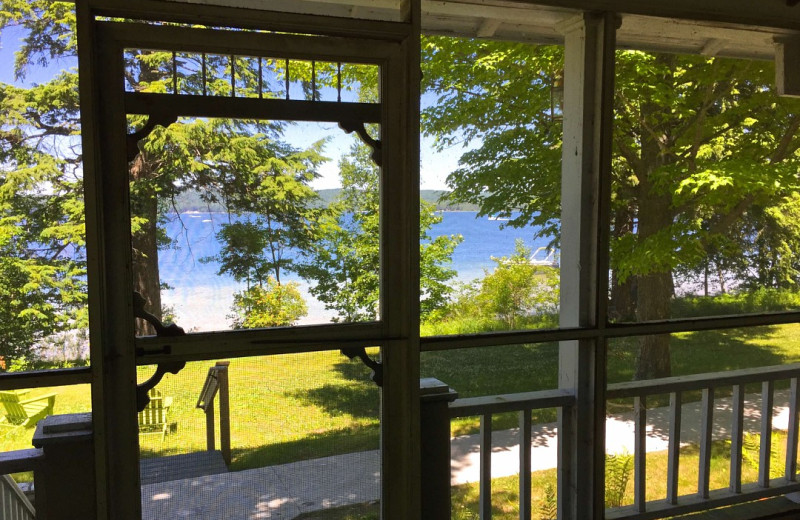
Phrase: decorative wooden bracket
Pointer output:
(359, 128)
(132, 140)
(361, 353)
(173, 367)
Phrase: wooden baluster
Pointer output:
(737, 433)
(260, 79)
(792, 434)
(339, 82)
(287, 78)
(706, 428)
(525, 465)
(765, 452)
(174, 72)
(205, 75)
(674, 453)
(486, 468)
(314, 81)
(233, 75)
(565, 455)
(640, 453)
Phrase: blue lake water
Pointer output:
(201, 298)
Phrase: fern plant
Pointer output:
(548, 509)
(618, 473)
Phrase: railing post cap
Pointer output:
(431, 389)
(56, 429)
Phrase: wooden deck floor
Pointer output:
(180, 467)
(778, 508)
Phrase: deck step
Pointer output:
(180, 467)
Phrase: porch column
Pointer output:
(586, 162)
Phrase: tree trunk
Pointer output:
(622, 302)
(655, 292)
(146, 280)
(622, 305)
(654, 289)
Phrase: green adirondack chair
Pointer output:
(25, 412)
(153, 419)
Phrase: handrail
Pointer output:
(17, 504)
(667, 385)
(21, 460)
(216, 384)
(639, 391)
(492, 404)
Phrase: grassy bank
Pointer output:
(300, 406)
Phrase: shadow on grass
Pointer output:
(494, 370)
(357, 396)
(700, 352)
(370, 511)
(312, 446)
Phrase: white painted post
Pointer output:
(787, 72)
(586, 151)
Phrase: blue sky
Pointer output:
(435, 166)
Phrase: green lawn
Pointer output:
(293, 407)
(299, 406)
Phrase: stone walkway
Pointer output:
(286, 491)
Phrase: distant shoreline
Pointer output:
(192, 201)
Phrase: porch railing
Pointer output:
(707, 384)
(673, 504)
(13, 502)
(523, 404)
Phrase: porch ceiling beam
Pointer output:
(770, 13)
(774, 13)
(290, 16)
(537, 16)
(633, 26)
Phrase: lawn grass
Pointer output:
(293, 407)
(283, 408)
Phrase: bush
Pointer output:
(270, 305)
(517, 294)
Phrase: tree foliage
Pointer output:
(344, 259)
(242, 163)
(705, 162)
(42, 259)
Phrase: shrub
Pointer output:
(516, 294)
(270, 305)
